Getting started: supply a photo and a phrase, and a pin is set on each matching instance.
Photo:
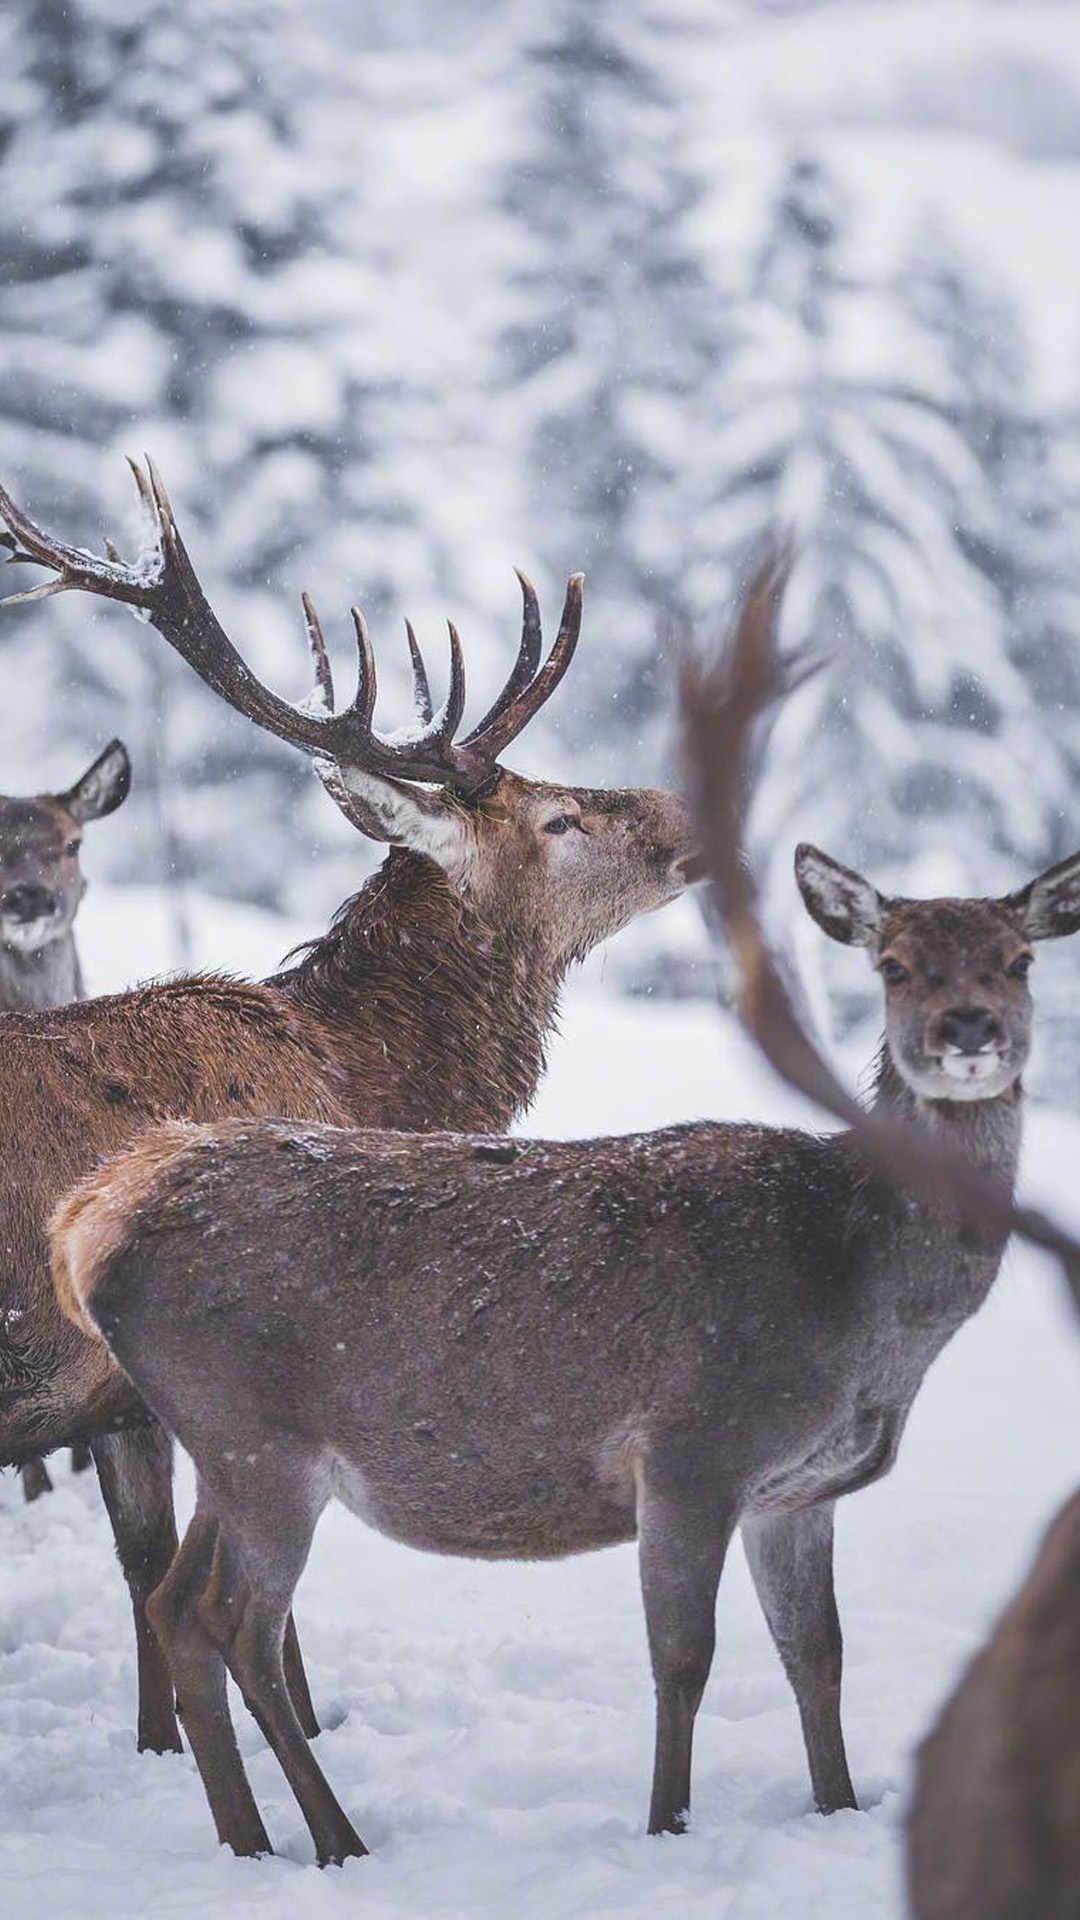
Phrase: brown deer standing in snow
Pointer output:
(430, 999)
(41, 889)
(513, 1349)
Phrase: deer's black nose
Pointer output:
(27, 903)
(970, 1028)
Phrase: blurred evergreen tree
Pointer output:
(1025, 545)
(153, 202)
(606, 352)
(883, 429)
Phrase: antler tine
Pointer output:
(422, 700)
(531, 635)
(74, 567)
(16, 557)
(430, 755)
(157, 488)
(448, 720)
(143, 484)
(14, 551)
(719, 708)
(510, 716)
(44, 592)
(367, 686)
(528, 657)
(35, 544)
(320, 659)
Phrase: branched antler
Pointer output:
(166, 591)
(719, 707)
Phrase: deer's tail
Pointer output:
(94, 1220)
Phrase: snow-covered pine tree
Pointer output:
(841, 421)
(1024, 776)
(1024, 544)
(152, 206)
(607, 352)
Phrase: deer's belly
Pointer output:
(442, 1508)
(840, 1460)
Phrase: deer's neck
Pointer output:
(434, 1018)
(48, 977)
(987, 1132)
(935, 1267)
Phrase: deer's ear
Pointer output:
(1049, 907)
(844, 905)
(103, 786)
(399, 814)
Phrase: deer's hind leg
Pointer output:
(135, 1475)
(34, 1475)
(684, 1525)
(791, 1561)
(260, 1556)
(197, 1666)
(220, 1611)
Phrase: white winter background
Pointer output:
(399, 296)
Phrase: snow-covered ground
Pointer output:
(490, 1728)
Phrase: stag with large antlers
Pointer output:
(427, 1004)
(531, 1349)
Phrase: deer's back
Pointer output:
(76, 1083)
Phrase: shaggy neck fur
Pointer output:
(435, 1018)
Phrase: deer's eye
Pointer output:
(1021, 966)
(72, 848)
(893, 972)
(562, 823)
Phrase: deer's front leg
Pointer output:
(135, 1471)
(683, 1531)
(791, 1560)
